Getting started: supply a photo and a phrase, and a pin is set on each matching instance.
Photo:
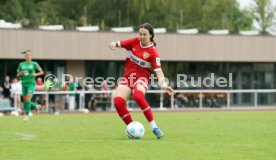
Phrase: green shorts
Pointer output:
(28, 89)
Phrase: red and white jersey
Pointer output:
(140, 59)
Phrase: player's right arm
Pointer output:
(127, 44)
(19, 71)
(113, 45)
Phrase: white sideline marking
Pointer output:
(23, 136)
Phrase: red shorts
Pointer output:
(132, 82)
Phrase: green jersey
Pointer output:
(29, 68)
(72, 87)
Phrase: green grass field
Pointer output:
(188, 135)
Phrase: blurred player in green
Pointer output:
(28, 71)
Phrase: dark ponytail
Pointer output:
(149, 27)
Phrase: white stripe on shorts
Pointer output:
(143, 83)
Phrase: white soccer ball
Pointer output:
(135, 130)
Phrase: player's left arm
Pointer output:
(162, 82)
(156, 65)
(39, 69)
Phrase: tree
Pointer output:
(243, 20)
(263, 13)
(171, 14)
(12, 11)
(45, 13)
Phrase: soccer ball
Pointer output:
(135, 130)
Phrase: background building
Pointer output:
(251, 59)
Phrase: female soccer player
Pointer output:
(28, 71)
(142, 56)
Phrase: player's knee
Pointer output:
(138, 96)
(119, 101)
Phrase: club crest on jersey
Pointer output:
(145, 55)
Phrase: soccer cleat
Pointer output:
(26, 118)
(158, 133)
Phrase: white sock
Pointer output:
(153, 125)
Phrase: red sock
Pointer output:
(139, 97)
(120, 105)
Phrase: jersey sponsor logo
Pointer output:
(139, 61)
(134, 59)
(27, 67)
(158, 61)
(26, 73)
(142, 64)
(145, 55)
